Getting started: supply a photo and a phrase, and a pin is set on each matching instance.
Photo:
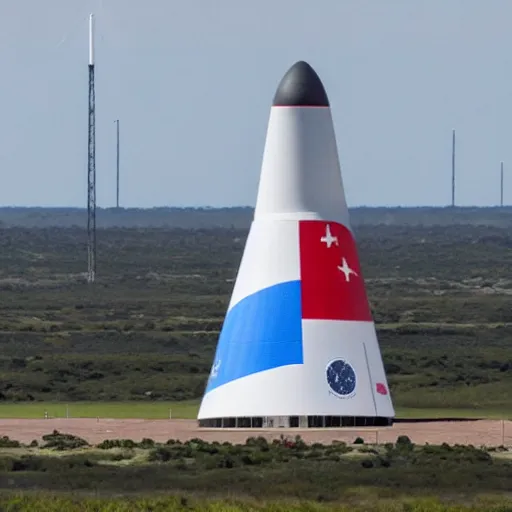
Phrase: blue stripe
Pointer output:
(261, 332)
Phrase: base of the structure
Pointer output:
(296, 422)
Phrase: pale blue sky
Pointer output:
(192, 83)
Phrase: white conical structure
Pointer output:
(298, 346)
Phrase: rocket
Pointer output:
(298, 346)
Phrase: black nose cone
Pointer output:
(301, 87)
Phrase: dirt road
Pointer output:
(478, 433)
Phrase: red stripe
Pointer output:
(301, 106)
(331, 290)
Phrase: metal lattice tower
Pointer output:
(501, 185)
(91, 167)
(453, 168)
(117, 173)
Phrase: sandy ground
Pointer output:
(478, 433)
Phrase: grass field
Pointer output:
(48, 503)
(188, 410)
(118, 410)
(484, 413)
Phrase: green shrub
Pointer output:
(108, 444)
(160, 454)
(5, 442)
(258, 442)
(404, 441)
(63, 441)
(146, 443)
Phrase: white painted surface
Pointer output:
(300, 180)
(271, 256)
(303, 389)
(300, 174)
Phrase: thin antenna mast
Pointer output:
(453, 168)
(501, 186)
(117, 175)
(91, 164)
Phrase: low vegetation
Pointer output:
(373, 503)
(440, 289)
(282, 470)
(147, 330)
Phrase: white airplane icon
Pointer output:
(328, 238)
(346, 270)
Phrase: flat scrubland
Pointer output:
(284, 474)
(147, 330)
(140, 342)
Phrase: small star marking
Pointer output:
(328, 239)
(346, 270)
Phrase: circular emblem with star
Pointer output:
(341, 378)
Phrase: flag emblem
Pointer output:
(381, 388)
(331, 282)
(341, 378)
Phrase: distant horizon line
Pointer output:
(246, 207)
